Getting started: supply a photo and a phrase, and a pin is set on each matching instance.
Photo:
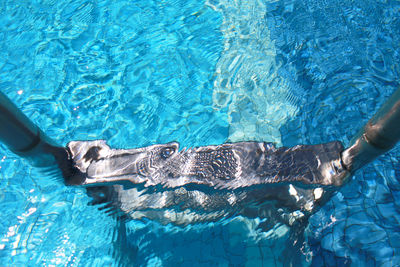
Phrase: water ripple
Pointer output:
(249, 79)
(142, 72)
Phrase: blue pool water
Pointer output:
(199, 72)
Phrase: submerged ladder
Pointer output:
(24, 138)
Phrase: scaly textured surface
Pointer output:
(228, 166)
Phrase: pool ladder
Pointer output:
(24, 138)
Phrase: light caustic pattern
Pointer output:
(249, 78)
(142, 72)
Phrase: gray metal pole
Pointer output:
(25, 139)
(378, 136)
(19, 133)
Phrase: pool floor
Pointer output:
(137, 73)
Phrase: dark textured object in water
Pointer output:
(228, 166)
(208, 183)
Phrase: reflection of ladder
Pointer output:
(24, 138)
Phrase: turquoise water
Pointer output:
(142, 72)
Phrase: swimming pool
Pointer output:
(145, 72)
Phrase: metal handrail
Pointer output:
(25, 139)
(379, 135)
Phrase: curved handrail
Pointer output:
(26, 139)
(379, 135)
(18, 132)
